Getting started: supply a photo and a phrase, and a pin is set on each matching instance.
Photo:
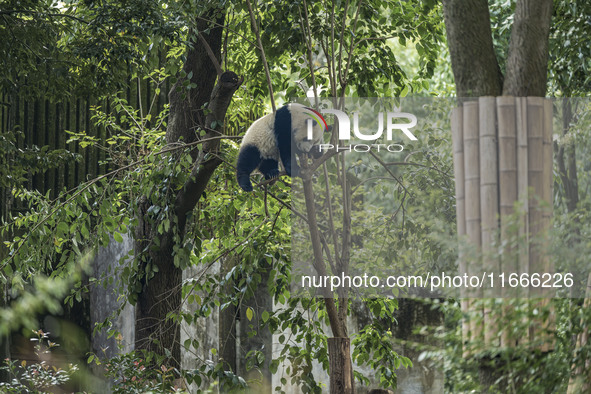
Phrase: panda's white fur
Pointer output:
(299, 125)
(261, 135)
(270, 139)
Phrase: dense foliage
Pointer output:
(239, 244)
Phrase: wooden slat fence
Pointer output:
(43, 122)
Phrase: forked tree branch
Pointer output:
(208, 160)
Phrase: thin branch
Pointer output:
(410, 163)
(92, 182)
(337, 328)
(308, 41)
(330, 214)
(331, 77)
(387, 169)
(8, 24)
(41, 14)
(255, 29)
(227, 26)
(318, 162)
(371, 39)
(343, 82)
(373, 178)
(332, 13)
(327, 251)
(341, 39)
(210, 53)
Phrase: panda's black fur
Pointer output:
(270, 139)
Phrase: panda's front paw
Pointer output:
(272, 174)
(244, 182)
(316, 152)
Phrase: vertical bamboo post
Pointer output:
(511, 141)
(489, 202)
(472, 201)
(507, 113)
(522, 197)
(457, 135)
(546, 265)
(522, 187)
(458, 153)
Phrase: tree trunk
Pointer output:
(261, 341)
(186, 113)
(527, 63)
(161, 295)
(474, 63)
(476, 70)
(341, 369)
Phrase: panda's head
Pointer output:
(302, 118)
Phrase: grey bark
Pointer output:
(527, 62)
(474, 63)
(186, 114)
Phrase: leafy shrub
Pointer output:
(132, 374)
(36, 377)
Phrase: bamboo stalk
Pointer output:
(507, 113)
(522, 186)
(458, 154)
(522, 196)
(489, 203)
(472, 199)
(507, 173)
(457, 135)
(545, 263)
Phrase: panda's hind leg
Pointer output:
(269, 168)
(249, 159)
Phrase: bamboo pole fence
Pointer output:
(502, 149)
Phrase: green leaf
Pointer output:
(274, 366)
(249, 313)
(117, 237)
(62, 229)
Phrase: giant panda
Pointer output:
(271, 138)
